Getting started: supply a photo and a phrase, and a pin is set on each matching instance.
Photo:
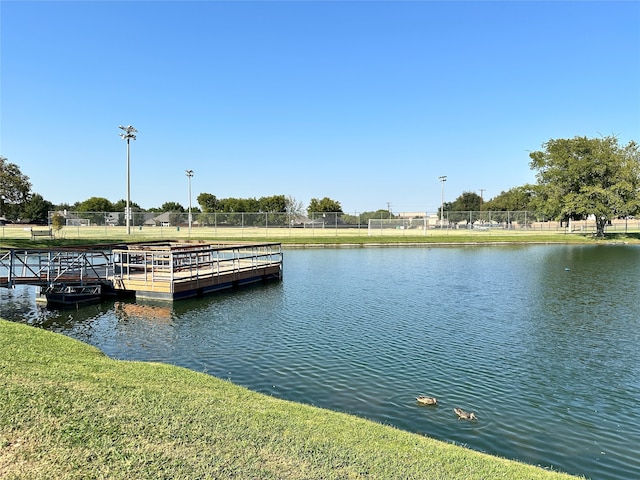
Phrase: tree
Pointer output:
(293, 206)
(208, 202)
(461, 206)
(172, 207)
(57, 221)
(94, 209)
(231, 205)
(137, 217)
(121, 205)
(272, 204)
(96, 204)
(14, 186)
(514, 199)
(63, 206)
(36, 209)
(583, 176)
(468, 201)
(326, 205)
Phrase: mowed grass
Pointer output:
(69, 412)
(70, 236)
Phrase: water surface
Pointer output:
(541, 342)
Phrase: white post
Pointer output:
(442, 179)
(189, 174)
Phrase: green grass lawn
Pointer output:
(95, 235)
(69, 412)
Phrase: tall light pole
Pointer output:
(442, 179)
(189, 174)
(129, 133)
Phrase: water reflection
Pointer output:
(541, 342)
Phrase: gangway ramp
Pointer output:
(53, 265)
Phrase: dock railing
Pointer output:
(174, 263)
(46, 266)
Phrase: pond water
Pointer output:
(541, 342)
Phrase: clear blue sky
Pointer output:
(367, 103)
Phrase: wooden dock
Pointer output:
(174, 271)
(166, 270)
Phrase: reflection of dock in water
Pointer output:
(125, 310)
(153, 270)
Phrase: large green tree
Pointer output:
(468, 201)
(581, 176)
(273, 204)
(96, 204)
(463, 207)
(208, 202)
(94, 209)
(238, 205)
(325, 205)
(36, 209)
(14, 187)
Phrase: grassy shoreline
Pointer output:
(455, 238)
(69, 412)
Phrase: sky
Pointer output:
(367, 103)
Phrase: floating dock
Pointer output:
(165, 270)
(180, 270)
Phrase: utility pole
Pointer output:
(189, 175)
(130, 134)
(442, 179)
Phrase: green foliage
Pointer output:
(121, 205)
(459, 209)
(364, 217)
(36, 209)
(172, 207)
(96, 204)
(63, 206)
(14, 189)
(208, 202)
(237, 205)
(293, 206)
(272, 204)
(584, 176)
(137, 216)
(94, 209)
(326, 205)
(57, 221)
(515, 199)
(467, 201)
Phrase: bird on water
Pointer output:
(462, 415)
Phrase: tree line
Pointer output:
(577, 178)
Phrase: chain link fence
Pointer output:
(69, 224)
